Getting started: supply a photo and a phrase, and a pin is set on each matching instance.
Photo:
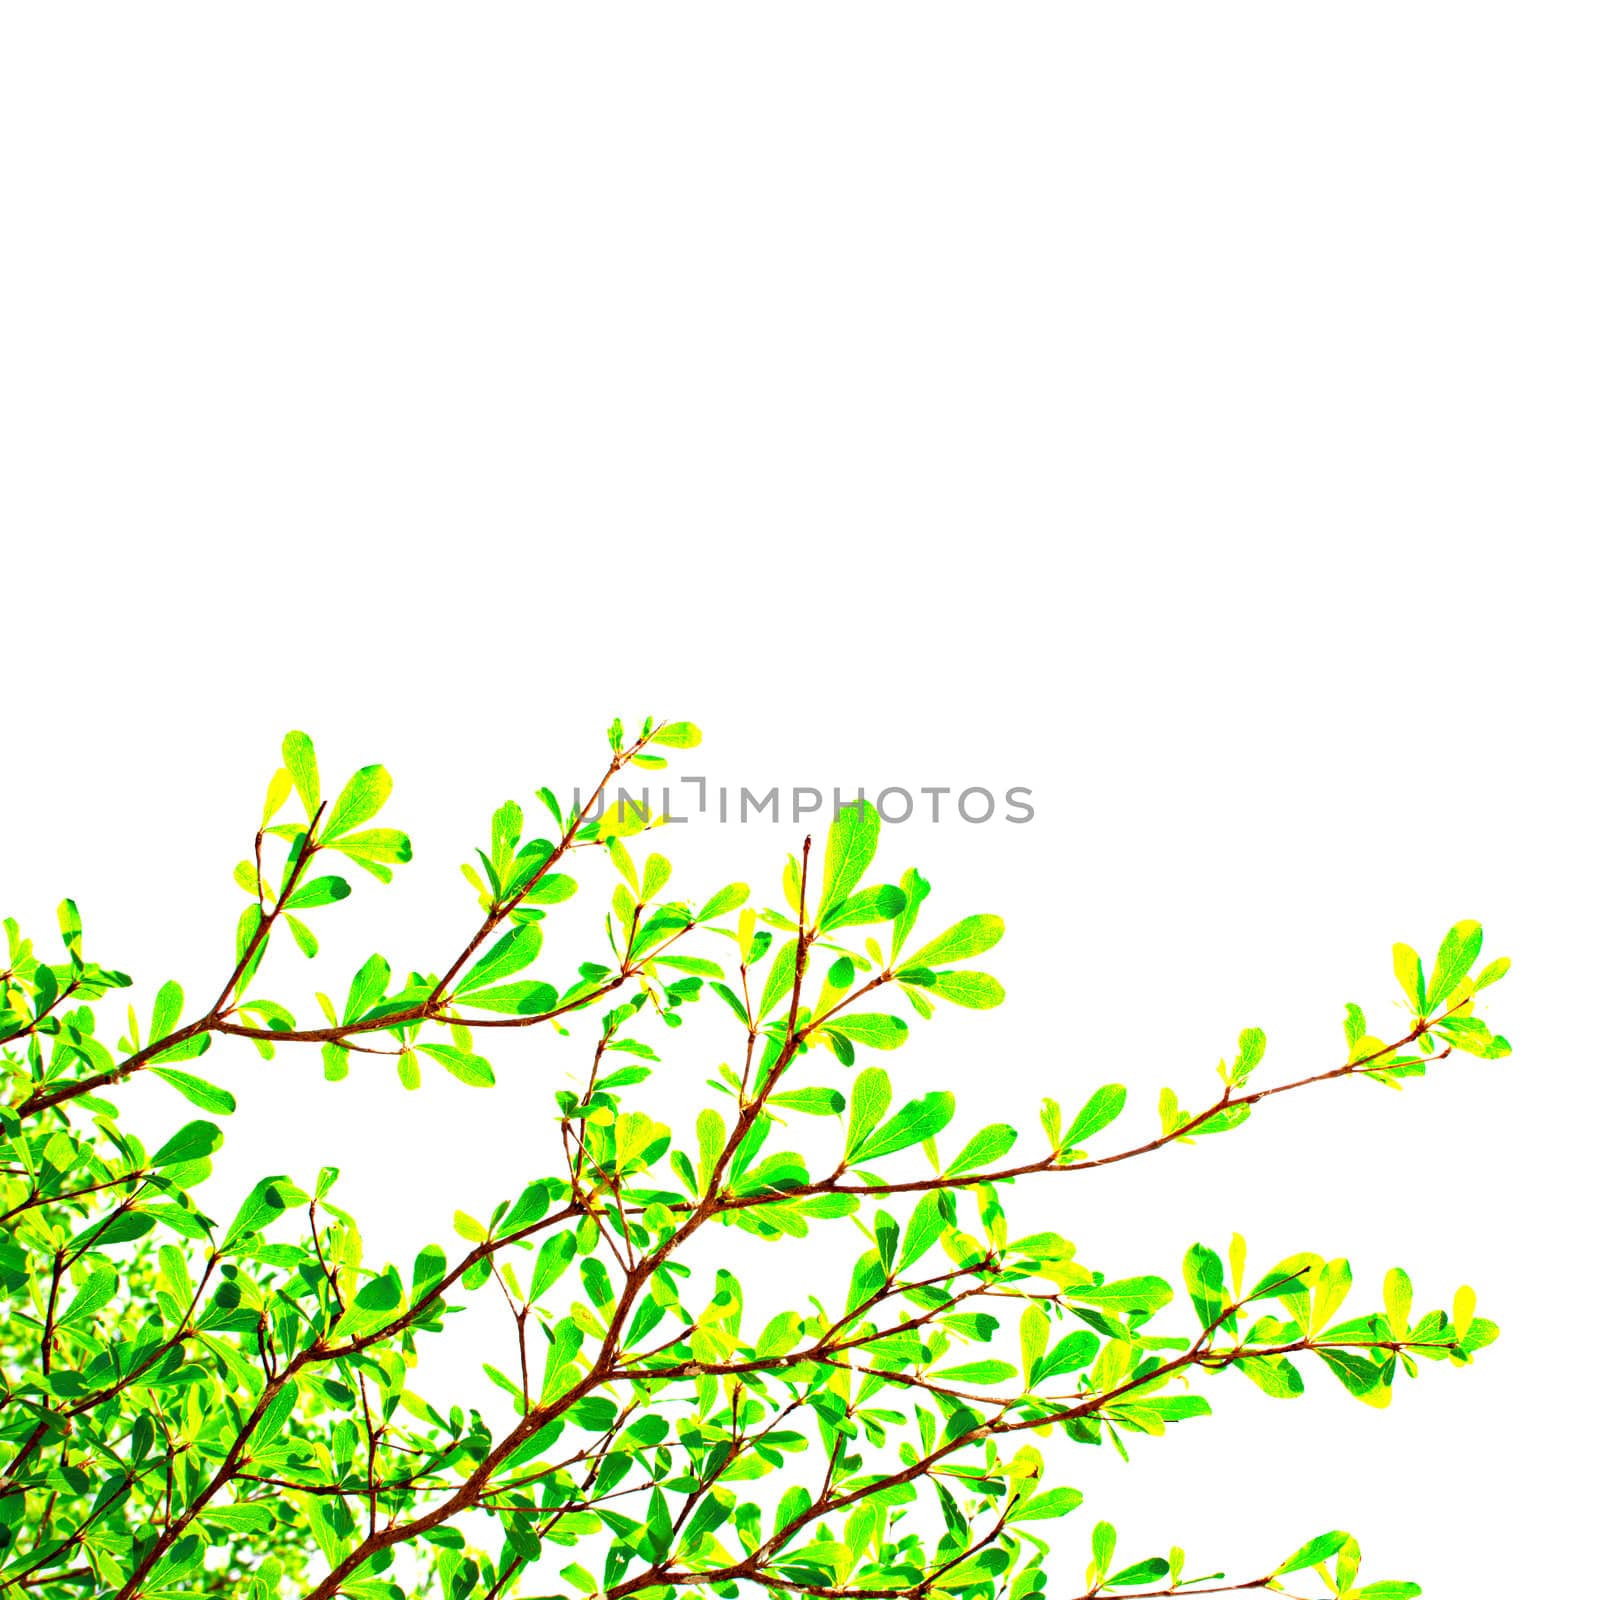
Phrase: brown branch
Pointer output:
(44, 1099)
(316, 1244)
(802, 941)
(136, 1176)
(216, 1020)
(32, 1027)
(1199, 1353)
(1362, 1067)
(47, 1341)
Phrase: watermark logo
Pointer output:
(894, 804)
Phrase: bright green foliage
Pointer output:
(198, 1404)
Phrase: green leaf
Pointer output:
(194, 1141)
(388, 845)
(1101, 1109)
(1126, 1294)
(526, 999)
(1104, 1542)
(1347, 1566)
(1252, 1048)
(852, 843)
(1176, 1407)
(915, 888)
(1202, 1276)
(878, 1030)
(278, 787)
(510, 953)
(1493, 973)
(1467, 1033)
(166, 1011)
(728, 898)
(988, 1144)
(1046, 1504)
(658, 1526)
(816, 1102)
(708, 1516)
(1034, 1334)
(551, 889)
(975, 990)
(249, 1517)
(359, 801)
(1408, 969)
(1397, 1301)
(555, 1256)
(1454, 961)
(366, 988)
(318, 892)
(626, 816)
(1068, 1355)
(376, 1302)
(1276, 1376)
(841, 973)
(185, 1049)
(532, 1204)
(697, 965)
(712, 1134)
(429, 1270)
(300, 758)
(472, 1070)
(677, 735)
(1148, 1571)
(275, 1414)
(780, 979)
(880, 904)
(270, 1198)
(1313, 1551)
(1363, 1378)
(1332, 1285)
(95, 1295)
(969, 937)
(1221, 1121)
(198, 1092)
(886, 1233)
(71, 926)
(784, 1170)
(915, 1121)
(928, 1222)
(1355, 1025)
(979, 1372)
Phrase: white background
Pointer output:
(1187, 413)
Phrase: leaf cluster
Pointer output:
(196, 1404)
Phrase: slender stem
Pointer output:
(47, 1343)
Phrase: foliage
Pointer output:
(202, 1405)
